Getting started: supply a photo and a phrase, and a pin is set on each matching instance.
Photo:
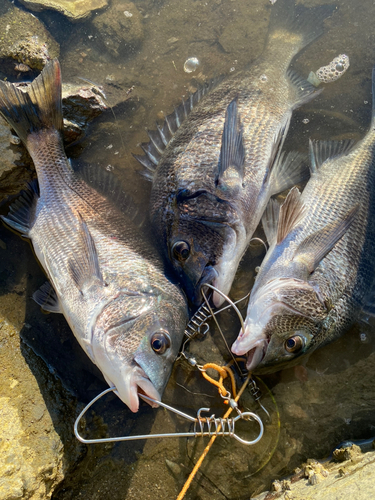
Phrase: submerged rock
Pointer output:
(120, 27)
(75, 10)
(80, 106)
(25, 39)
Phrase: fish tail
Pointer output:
(36, 108)
(296, 25)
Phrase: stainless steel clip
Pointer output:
(203, 426)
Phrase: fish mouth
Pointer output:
(132, 382)
(254, 349)
(208, 277)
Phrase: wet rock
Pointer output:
(120, 28)
(334, 481)
(80, 106)
(14, 171)
(25, 39)
(73, 9)
(31, 437)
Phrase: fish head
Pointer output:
(136, 351)
(282, 323)
(202, 239)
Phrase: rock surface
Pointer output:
(25, 39)
(75, 10)
(33, 439)
(352, 478)
(119, 28)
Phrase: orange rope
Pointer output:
(207, 449)
(223, 371)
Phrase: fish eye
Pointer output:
(294, 344)
(160, 342)
(181, 250)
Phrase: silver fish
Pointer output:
(216, 161)
(104, 278)
(318, 274)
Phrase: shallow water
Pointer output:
(329, 397)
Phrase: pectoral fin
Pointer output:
(291, 212)
(232, 155)
(84, 266)
(270, 221)
(317, 245)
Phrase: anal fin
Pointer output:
(21, 212)
(47, 299)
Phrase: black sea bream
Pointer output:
(106, 280)
(217, 161)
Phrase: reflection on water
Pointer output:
(313, 406)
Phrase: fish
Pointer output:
(216, 161)
(107, 280)
(317, 277)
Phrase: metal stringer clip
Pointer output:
(203, 426)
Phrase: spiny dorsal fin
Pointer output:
(47, 299)
(317, 245)
(84, 266)
(110, 186)
(320, 151)
(21, 212)
(160, 138)
(291, 212)
(232, 154)
(270, 221)
(289, 169)
(36, 108)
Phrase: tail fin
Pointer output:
(373, 99)
(298, 20)
(38, 107)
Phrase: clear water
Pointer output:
(312, 407)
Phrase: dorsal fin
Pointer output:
(320, 151)
(317, 245)
(270, 221)
(21, 212)
(159, 138)
(232, 154)
(291, 212)
(109, 185)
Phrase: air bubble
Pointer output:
(263, 78)
(305, 121)
(333, 70)
(191, 64)
(109, 168)
(363, 337)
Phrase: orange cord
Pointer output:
(223, 371)
(207, 449)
